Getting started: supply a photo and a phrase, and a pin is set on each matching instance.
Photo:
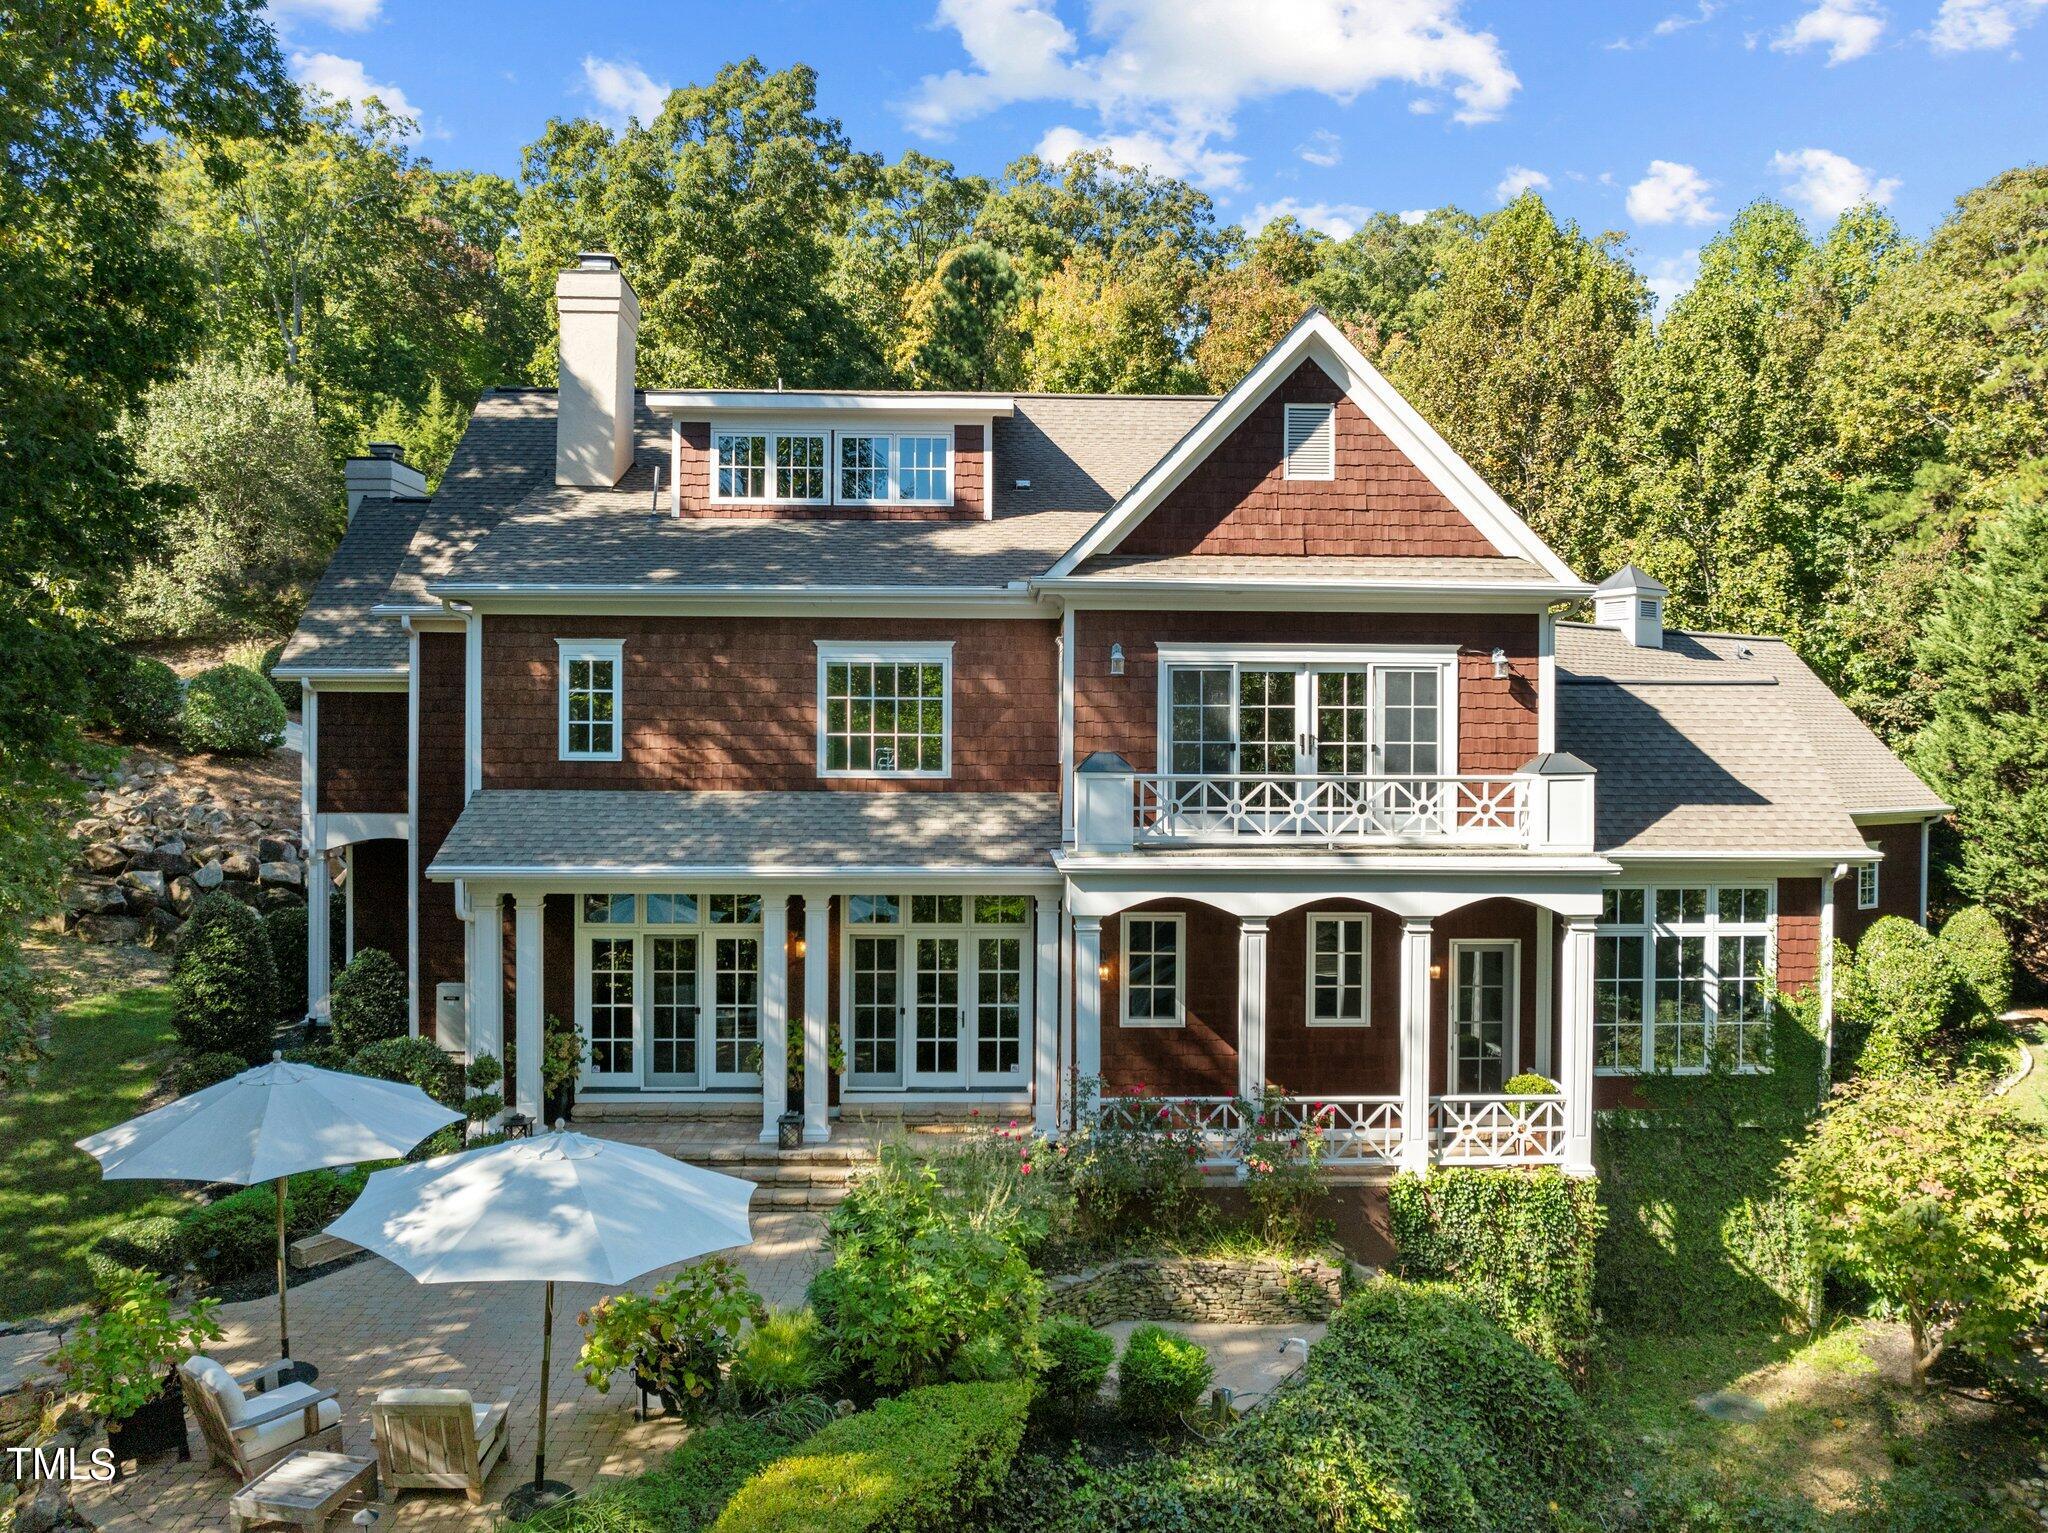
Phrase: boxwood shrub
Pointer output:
(1077, 1359)
(367, 1002)
(1901, 999)
(286, 929)
(412, 1061)
(1159, 1376)
(914, 1464)
(685, 1494)
(233, 711)
(1978, 946)
(1518, 1243)
(198, 1071)
(237, 1234)
(140, 698)
(224, 981)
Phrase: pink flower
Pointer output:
(1027, 1168)
(1013, 1123)
(974, 1112)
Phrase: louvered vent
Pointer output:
(1311, 441)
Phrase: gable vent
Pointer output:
(1311, 441)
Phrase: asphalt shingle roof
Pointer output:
(1082, 451)
(566, 831)
(337, 632)
(1336, 569)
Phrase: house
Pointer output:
(1018, 751)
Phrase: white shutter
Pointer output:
(1311, 441)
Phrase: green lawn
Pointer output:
(2029, 1099)
(106, 1054)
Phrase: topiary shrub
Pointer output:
(286, 929)
(1520, 1244)
(232, 711)
(198, 1071)
(1159, 1376)
(1077, 1359)
(414, 1062)
(787, 1354)
(140, 699)
(1979, 948)
(367, 1003)
(224, 981)
(237, 1234)
(915, 1464)
(1905, 992)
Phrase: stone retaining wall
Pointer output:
(1243, 1292)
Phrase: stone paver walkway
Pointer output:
(369, 1327)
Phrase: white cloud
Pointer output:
(622, 89)
(347, 80)
(1679, 21)
(1826, 183)
(1323, 148)
(1672, 194)
(1414, 215)
(1187, 156)
(1848, 29)
(1670, 277)
(1963, 25)
(1176, 71)
(1339, 220)
(1517, 179)
(344, 15)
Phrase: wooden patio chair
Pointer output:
(437, 1439)
(252, 1420)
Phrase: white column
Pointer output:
(1087, 1002)
(817, 1018)
(1826, 977)
(487, 975)
(1575, 998)
(1045, 1012)
(1546, 1013)
(319, 932)
(774, 1012)
(529, 1006)
(1251, 1010)
(1415, 1045)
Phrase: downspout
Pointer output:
(1827, 975)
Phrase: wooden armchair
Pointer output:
(252, 1420)
(436, 1439)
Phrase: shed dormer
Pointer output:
(1632, 604)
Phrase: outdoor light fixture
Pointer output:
(1102, 971)
(1116, 660)
(1500, 665)
(796, 946)
(1436, 971)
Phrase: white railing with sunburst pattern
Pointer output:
(1462, 811)
(1357, 1130)
(1496, 1130)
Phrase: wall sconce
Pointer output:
(1500, 665)
(796, 946)
(1436, 971)
(1116, 660)
(1103, 970)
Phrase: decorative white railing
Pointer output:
(1356, 1130)
(1496, 1130)
(1464, 810)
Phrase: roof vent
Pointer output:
(1311, 441)
(1632, 604)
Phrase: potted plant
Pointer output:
(561, 1061)
(676, 1339)
(124, 1362)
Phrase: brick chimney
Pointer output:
(383, 475)
(600, 325)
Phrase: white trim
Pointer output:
(1363, 919)
(1308, 432)
(1511, 1041)
(1925, 827)
(337, 830)
(1709, 929)
(1545, 978)
(1899, 816)
(675, 467)
(603, 599)
(771, 438)
(1306, 654)
(568, 651)
(848, 652)
(1546, 682)
(1065, 642)
(707, 403)
(473, 705)
(319, 957)
(1179, 921)
(1868, 898)
(1260, 593)
(1317, 337)
(382, 679)
(943, 878)
(348, 905)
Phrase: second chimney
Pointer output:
(600, 325)
(383, 475)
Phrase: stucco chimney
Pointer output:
(1632, 604)
(600, 322)
(382, 475)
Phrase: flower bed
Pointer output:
(1242, 1291)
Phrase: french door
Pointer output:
(613, 1058)
(935, 1053)
(735, 1011)
(874, 983)
(1287, 720)
(1483, 1004)
(929, 1011)
(673, 1012)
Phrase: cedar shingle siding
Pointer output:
(362, 753)
(440, 801)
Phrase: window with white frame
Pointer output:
(1311, 441)
(668, 989)
(774, 467)
(907, 468)
(1866, 886)
(884, 710)
(863, 467)
(1154, 971)
(1339, 970)
(588, 698)
(1682, 978)
(922, 464)
(935, 989)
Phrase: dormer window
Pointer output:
(863, 468)
(904, 470)
(780, 467)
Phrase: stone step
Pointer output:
(768, 1155)
(795, 1176)
(318, 1250)
(799, 1197)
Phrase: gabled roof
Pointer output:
(339, 634)
(1316, 338)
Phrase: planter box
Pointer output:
(158, 1427)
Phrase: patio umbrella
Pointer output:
(262, 1126)
(558, 1208)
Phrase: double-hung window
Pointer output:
(1154, 970)
(1866, 886)
(1682, 978)
(1339, 970)
(770, 467)
(885, 710)
(588, 696)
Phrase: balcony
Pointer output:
(1357, 1131)
(1547, 806)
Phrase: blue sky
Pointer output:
(1658, 118)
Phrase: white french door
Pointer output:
(673, 1012)
(613, 1058)
(1311, 719)
(936, 1056)
(1483, 1021)
(943, 1001)
(874, 973)
(735, 1011)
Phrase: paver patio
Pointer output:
(369, 1327)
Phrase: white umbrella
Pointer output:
(265, 1124)
(559, 1208)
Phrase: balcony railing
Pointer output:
(1359, 1130)
(1547, 807)
(1496, 1130)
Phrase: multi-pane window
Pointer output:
(1265, 722)
(589, 699)
(1682, 978)
(921, 468)
(646, 964)
(1343, 725)
(742, 465)
(1866, 886)
(999, 1004)
(1339, 970)
(935, 989)
(611, 1006)
(1152, 970)
(799, 468)
(769, 466)
(1378, 715)
(883, 714)
(916, 470)
(863, 468)
(1201, 717)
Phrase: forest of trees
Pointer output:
(1839, 435)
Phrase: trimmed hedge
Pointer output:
(286, 929)
(686, 1494)
(237, 1235)
(147, 1244)
(224, 981)
(367, 1002)
(914, 1464)
(233, 711)
(1518, 1243)
(198, 1071)
(1978, 947)
(1077, 1359)
(414, 1062)
(1903, 993)
(1159, 1376)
